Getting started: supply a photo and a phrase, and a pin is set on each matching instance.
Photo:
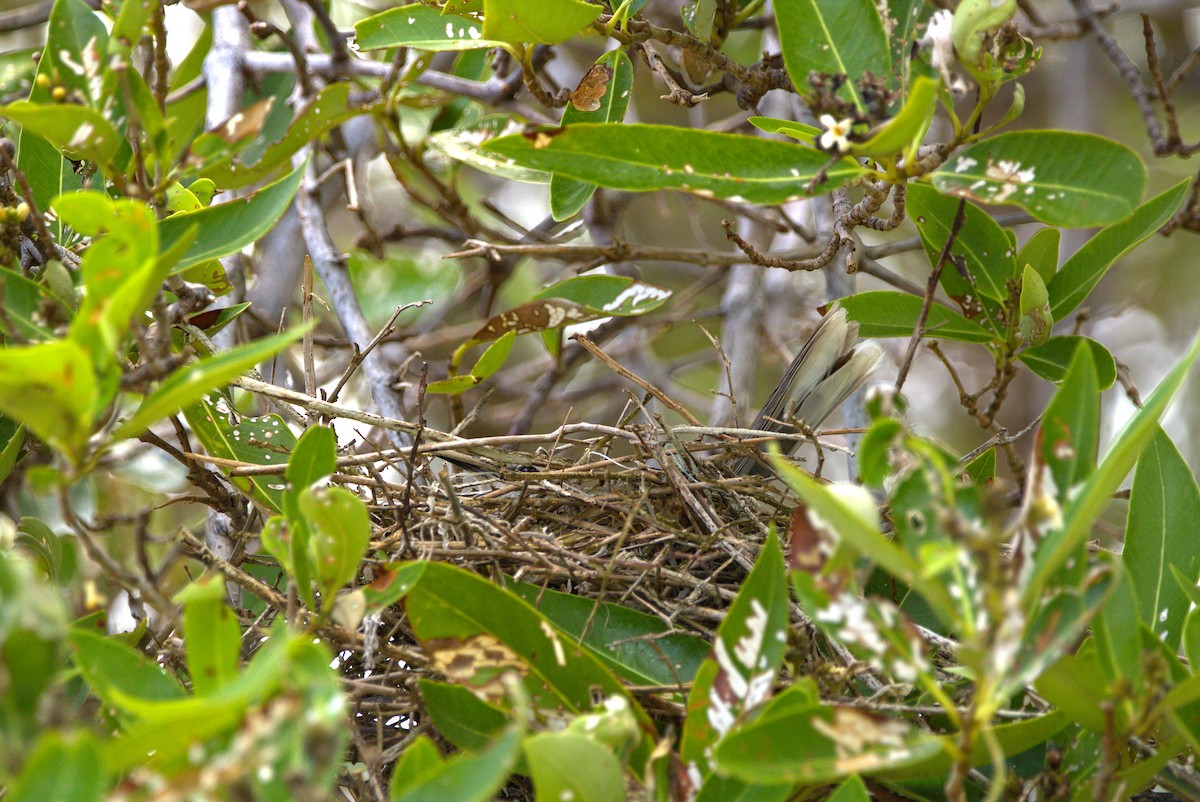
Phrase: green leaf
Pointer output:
(643, 158)
(1191, 636)
(973, 19)
(1035, 308)
(836, 37)
(1121, 655)
(419, 761)
(258, 441)
(905, 14)
(460, 716)
(26, 302)
(1080, 273)
(421, 28)
(982, 244)
(488, 363)
(12, 439)
(62, 766)
(493, 358)
(331, 107)
(635, 645)
(280, 540)
(80, 132)
(567, 195)
(230, 226)
(1063, 178)
(799, 131)
(1050, 359)
(852, 790)
(121, 270)
(117, 673)
(543, 22)
(212, 632)
(467, 777)
(699, 17)
(894, 314)
(455, 385)
(1070, 435)
(1076, 685)
(189, 384)
(568, 766)
(1041, 253)
(1162, 532)
(340, 533)
(44, 547)
(874, 451)
(198, 718)
(726, 789)
(739, 674)
(313, 458)
(50, 387)
(982, 469)
(907, 127)
(128, 26)
(1057, 547)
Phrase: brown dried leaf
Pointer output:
(548, 313)
(590, 91)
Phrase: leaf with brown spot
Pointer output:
(478, 662)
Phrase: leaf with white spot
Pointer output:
(467, 145)
(619, 296)
(1063, 178)
(580, 299)
(255, 441)
(740, 673)
(644, 158)
(420, 27)
(1163, 529)
(78, 131)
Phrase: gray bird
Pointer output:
(827, 370)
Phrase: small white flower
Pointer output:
(939, 36)
(837, 133)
